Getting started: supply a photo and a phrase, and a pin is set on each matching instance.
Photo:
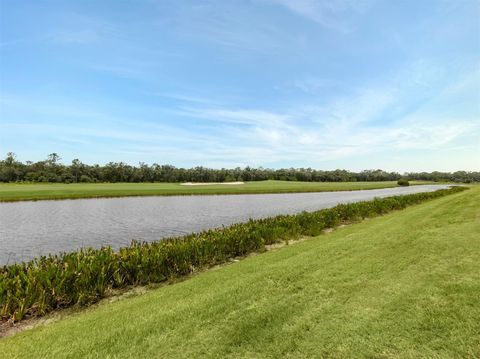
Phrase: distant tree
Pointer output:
(76, 169)
(53, 158)
(10, 159)
(10, 169)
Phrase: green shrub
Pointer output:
(85, 179)
(403, 182)
(83, 277)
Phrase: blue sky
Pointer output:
(276, 83)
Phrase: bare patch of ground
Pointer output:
(210, 183)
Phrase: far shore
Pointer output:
(12, 192)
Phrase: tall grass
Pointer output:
(83, 277)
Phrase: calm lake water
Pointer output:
(30, 229)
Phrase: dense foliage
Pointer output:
(403, 182)
(51, 170)
(85, 276)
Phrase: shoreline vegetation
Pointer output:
(84, 277)
(13, 192)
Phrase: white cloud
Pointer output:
(237, 116)
(375, 120)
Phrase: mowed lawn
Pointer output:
(405, 285)
(39, 191)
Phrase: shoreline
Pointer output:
(54, 192)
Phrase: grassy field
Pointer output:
(405, 285)
(39, 191)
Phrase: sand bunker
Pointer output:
(210, 183)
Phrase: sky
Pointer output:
(326, 84)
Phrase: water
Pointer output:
(30, 229)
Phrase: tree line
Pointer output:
(51, 170)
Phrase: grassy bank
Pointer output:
(42, 191)
(404, 285)
(85, 276)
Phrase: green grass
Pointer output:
(405, 285)
(40, 191)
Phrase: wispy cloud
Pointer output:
(221, 134)
(351, 126)
(328, 13)
(244, 31)
(237, 116)
(188, 98)
(74, 28)
(312, 85)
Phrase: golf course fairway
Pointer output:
(10, 192)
